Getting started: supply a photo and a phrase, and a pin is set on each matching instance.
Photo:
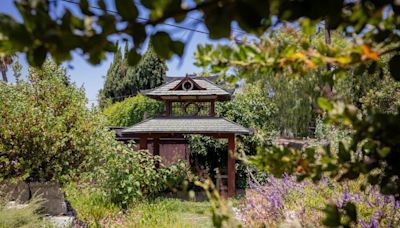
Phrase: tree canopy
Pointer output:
(39, 33)
(124, 81)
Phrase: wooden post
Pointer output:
(231, 166)
(156, 149)
(212, 109)
(168, 108)
(143, 143)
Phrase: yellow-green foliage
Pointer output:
(132, 110)
(22, 216)
(161, 212)
(46, 130)
(90, 205)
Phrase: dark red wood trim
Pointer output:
(156, 149)
(143, 142)
(212, 108)
(231, 166)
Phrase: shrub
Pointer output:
(132, 175)
(132, 110)
(283, 201)
(46, 130)
(251, 108)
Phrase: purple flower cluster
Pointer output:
(270, 204)
(372, 200)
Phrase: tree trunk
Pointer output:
(4, 74)
(328, 90)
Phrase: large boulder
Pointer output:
(54, 202)
(15, 191)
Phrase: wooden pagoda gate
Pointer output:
(189, 108)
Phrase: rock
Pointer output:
(15, 205)
(18, 191)
(62, 221)
(54, 199)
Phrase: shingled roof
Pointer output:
(187, 125)
(209, 89)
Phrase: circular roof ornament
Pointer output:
(187, 85)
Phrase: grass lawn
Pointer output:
(160, 212)
(164, 212)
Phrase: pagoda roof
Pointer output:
(212, 78)
(186, 125)
(207, 89)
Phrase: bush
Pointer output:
(132, 110)
(132, 175)
(46, 130)
(253, 109)
(285, 201)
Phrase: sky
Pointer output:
(92, 77)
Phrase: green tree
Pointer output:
(148, 74)
(372, 20)
(46, 131)
(252, 108)
(112, 80)
(124, 81)
(132, 110)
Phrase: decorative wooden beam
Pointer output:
(231, 166)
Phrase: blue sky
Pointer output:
(92, 77)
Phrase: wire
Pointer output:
(199, 20)
(165, 23)
(144, 19)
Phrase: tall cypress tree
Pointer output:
(124, 81)
(110, 91)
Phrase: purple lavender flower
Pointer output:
(374, 223)
(397, 204)
(377, 215)
(324, 180)
(363, 224)
(387, 199)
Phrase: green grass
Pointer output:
(164, 212)
(23, 216)
(160, 212)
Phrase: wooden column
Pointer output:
(212, 109)
(143, 143)
(231, 166)
(156, 149)
(168, 108)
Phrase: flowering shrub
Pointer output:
(286, 201)
(130, 175)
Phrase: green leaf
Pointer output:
(351, 211)
(332, 218)
(394, 67)
(133, 57)
(127, 9)
(37, 56)
(325, 104)
(165, 47)
(84, 5)
(343, 154)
